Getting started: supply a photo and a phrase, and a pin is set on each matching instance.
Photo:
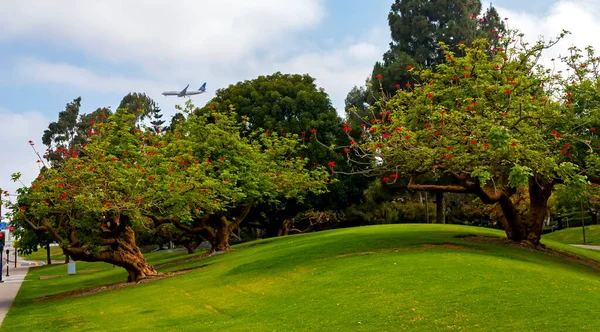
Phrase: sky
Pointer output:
(52, 52)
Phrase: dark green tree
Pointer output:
(293, 104)
(416, 27)
(138, 104)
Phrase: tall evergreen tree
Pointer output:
(416, 27)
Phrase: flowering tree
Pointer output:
(493, 122)
(89, 202)
(212, 175)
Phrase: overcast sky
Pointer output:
(55, 51)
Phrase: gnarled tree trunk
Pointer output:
(520, 228)
(191, 246)
(122, 252)
(527, 227)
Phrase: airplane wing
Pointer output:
(184, 90)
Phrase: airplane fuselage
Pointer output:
(179, 94)
(185, 93)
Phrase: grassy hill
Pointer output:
(575, 235)
(375, 278)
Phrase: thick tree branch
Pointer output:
(434, 187)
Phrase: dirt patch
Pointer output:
(539, 248)
(191, 259)
(120, 285)
(407, 248)
(51, 277)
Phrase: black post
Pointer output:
(7, 258)
(1, 251)
(582, 222)
(15, 258)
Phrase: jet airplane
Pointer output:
(185, 93)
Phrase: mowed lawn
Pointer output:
(56, 255)
(374, 278)
(575, 235)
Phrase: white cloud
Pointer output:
(17, 156)
(576, 16)
(160, 31)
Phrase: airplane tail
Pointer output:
(203, 87)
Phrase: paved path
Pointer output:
(10, 287)
(585, 246)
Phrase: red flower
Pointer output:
(494, 31)
(514, 144)
(208, 162)
(507, 91)
(331, 164)
(473, 142)
(449, 58)
(430, 95)
(427, 125)
(313, 130)
(352, 142)
(22, 208)
(222, 159)
(386, 135)
(346, 150)
(31, 143)
(408, 85)
(409, 67)
(461, 42)
(563, 151)
(151, 178)
(63, 195)
(397, 85)
(449, 148)
(486, 144)
(407, 137)
(504, 114)
(438, 133)
(568, 146)
(593, 129)
(92, 123)
(378, 77)
(398, 129)
(386, 179)
(38, 161)
(394, 176)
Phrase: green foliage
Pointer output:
(125, 175)
(485, 116)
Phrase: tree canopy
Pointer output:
(496, 123)
(128, 176)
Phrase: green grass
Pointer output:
(56, 254)
(575, 235)
(374, 278)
